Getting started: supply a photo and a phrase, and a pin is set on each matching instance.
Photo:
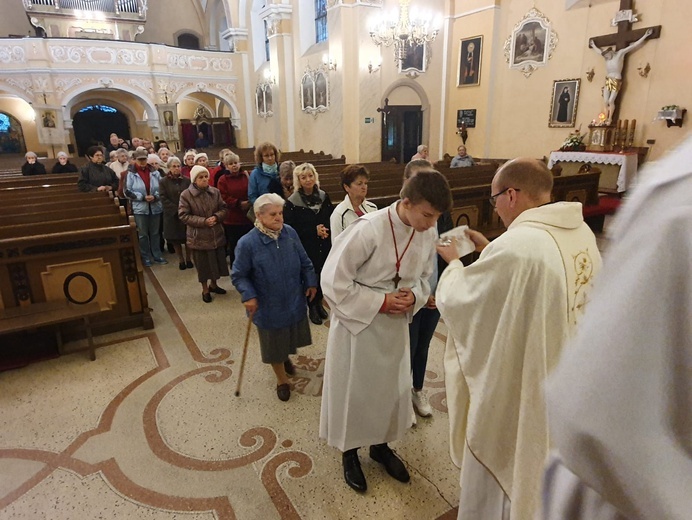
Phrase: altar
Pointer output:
(627, 162)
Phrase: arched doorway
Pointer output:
(11, 134)
(94, 124)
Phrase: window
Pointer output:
(4, 124)
(320, 20)
(102, 108)
(266, 41)
(188, 41)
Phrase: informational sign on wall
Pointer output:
(468, 116)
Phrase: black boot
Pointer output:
(313, 314)
(384, 455)
(321, 310)
(353, 475)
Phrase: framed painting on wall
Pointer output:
(563, 103)
(531, 43)
(470, 52)
(415, 59)
(307, 92)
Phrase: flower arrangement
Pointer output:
(670, 107)
(574, 143)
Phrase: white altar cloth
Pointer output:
(628, 163)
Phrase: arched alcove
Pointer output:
(11, 134)
(94, 123)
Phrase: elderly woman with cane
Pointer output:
(273, 275)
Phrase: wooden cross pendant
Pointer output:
(396, 280)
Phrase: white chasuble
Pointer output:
(508, 316)
(367, 381)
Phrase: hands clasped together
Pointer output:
(398, 302)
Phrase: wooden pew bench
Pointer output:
(50, 314)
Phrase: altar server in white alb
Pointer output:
(509, 315)
(620, 400)
(375, 279)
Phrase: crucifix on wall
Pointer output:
(625, 41)
(385, 110)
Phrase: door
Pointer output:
(93, 126)
(402, 132)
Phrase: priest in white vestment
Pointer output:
(620, 400)
(375, 279)
(508, 316)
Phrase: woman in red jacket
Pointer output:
(233, 185)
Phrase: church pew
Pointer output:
(15, 207)
(100, 264)
(61, 225)
(15, 196)
(38, 180)
(31, 191)
(64, 213)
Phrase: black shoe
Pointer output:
(189, 264)
(353, 474)
(322, 311)
(283, 391)
(217, 290)
(289, 368)
(384, 455)
(314, 315)
(182, 266)
(206, 297)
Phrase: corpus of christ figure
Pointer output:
(614, 48)
(615, 61)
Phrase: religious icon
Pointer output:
(414, 59)
(168, 118)
(259, 98)
(563, 105)
(531, 43)
(321, 95)
(307, 92)
(48, 118)
(470, 53)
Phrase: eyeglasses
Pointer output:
(493, 198)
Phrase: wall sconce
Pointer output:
(328, 62)
(269, 77)
(644, 71)
(374, 67)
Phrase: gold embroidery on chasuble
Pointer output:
(583, 268)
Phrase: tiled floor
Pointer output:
(152, 429)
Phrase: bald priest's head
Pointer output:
(518, 185)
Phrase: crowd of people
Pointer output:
(386, 280)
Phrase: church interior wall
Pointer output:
(164, 21)
(26, 116)
(469, 23)
(521, 105)
(14, 21)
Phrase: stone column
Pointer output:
(238, 42)
(354, 87)
(281, 62)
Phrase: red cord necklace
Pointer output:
(397, 278)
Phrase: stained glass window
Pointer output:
(320, 20)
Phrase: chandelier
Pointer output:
(403, 31)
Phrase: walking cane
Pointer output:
(242, 361)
